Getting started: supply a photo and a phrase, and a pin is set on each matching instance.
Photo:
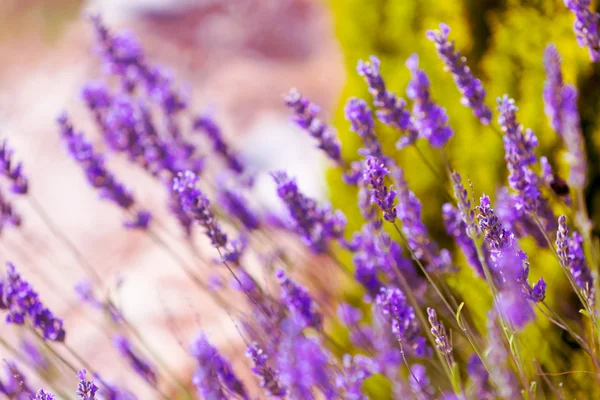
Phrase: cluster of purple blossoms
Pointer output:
(442, 341)
(374, 173)
(22, 303)
(394, 306)
(82, 151)
(458, 229)
(572, 257)
(586, 26)
(269, 381)
(560, 105)
(236, 205)
(391, 109)
(317, 225)
(471, 89)
(86, 390)
(305, 116)
(361, 119)
(356, 370)
(196, 205)
(296, 298)
(43, 395)
(12, 171)
(509, 266)
(214, 376)
(431, 120)
(139, 365)
(208, 126)
(409, 213)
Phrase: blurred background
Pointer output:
(237, 58)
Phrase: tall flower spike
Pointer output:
(553, 86)
(471, 89)
(438, 331)
(409, 213)
(236, 204)
(573, 138)
(296, 298)
(196, 205)
(405, 327)
(586, 26)
(361, 119)
(269, 381)
(431, 120)
(305, 117)
(12, 171)
(208, 126)
(214, 372)
(22, 303)
(374, 173)
(82, 151)
(43, 395)
(391, 109)
(86, 389)
(139, 365)
(317, 225)
(465, 207)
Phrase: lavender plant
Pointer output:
(400, 330)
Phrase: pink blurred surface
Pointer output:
(238, 58)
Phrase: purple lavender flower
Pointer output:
(431, 120)
(12, 171)
(139, 365)
(394, 306)
(508, 262)
(553, 87)
(317, 225)
(208, 126)
(8, 215)
(457, 228)
(573, 138)
(374, 173)
(86, 390)
(467, 212)
(471, 89)
(571, 255)
(481, 378)
(415, 231)
(43, 395)
(237, 206)
(214, 372)
(296, 298)
(586, 26)
(305, 116)
(34, 356)
(361, 119)
(269, 381)
(303, 366)
(442, 341)
(82, 151)
(391, 109)
(196, 205)
(21, 302)
(356, 370)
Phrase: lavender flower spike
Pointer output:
(8, 215)
(473, 94)
(391, 109)
(438, 331)
(21, 302)
(586, 26)
(297, 299)
(361, 119)
(431, 120)
(196, 205)
(207, 125)
(317, 225)
(86, 389)
(305, 116)
(139, 365)
(269, 380)
(12, 171)
(570, 253)
(553, 86)
(573, 138)
(374, 174)
(457, 228)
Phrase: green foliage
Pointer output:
(504, 43)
